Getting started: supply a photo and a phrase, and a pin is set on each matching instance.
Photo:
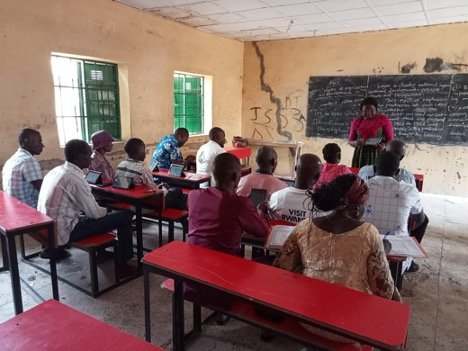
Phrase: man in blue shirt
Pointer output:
(167, 151)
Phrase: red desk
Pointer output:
(135, 197)
(360, 316)
(191, 180)
(17, 218)
(53, 326)
(240, 152)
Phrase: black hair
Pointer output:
(330, 151)
(329, 196)
(74, 148)
(387, 164)
(369, 101)
(182, 132)
(132, 145)
(224, 165)
(26, 133)
(265, 156)
(214, 132)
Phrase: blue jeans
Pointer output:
(120, 220)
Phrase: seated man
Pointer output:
(218, 218)
(207, 152)
(331, 168)
(398, 147)
(263, 177)
(66, 197)
(168, 152)
(21, 174)
(292, 204)
(133, 167)
(391, 203)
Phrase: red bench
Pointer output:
(289, 326)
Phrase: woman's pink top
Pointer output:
(366, 128)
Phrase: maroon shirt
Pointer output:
(218, 218)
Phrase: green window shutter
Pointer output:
(188, 102)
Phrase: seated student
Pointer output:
(340, 248)
(167, 151)
(102, 143)
(331, 168)
(291, 203)
(133, 167)
(66, 197)
(263, 177)
(392, 203)
(207, 152)
(218, 218)
(21, 174)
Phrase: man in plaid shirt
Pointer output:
(22, 176)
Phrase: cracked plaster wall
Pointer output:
(148, 49)
(276, 75)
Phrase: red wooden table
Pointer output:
(191, 180)
(53, 326)
(240, 152)
(17, 218)
(347, 312)
(136, 197)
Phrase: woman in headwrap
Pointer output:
(102, 143)
(339, 247)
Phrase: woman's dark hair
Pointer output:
(329, 196)
(330, 152)
(369, 101)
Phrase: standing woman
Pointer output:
(369, 133)
(102, 143)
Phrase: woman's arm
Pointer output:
(387, 128)
(353, 137)
(290, 256)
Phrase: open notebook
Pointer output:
(277, 236)
(404, 246)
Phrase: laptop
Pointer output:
(122, 182)
(176, 170)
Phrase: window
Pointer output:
(190, 102)
(86, 98)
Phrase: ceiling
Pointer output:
(250, 20)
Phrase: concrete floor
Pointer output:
(437, 294)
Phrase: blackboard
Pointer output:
(429, 109)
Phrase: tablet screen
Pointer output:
(93, 177)
(257, 196)
(123, 182)
(176, 170)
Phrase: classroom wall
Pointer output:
(148, 49)
(284, 68)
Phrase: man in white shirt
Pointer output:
(207, 152)
(66, 197)
(293, 204)
(392, 203)
(21, 174)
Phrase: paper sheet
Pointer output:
(404, 246)
(278, 235)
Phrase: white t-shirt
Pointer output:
(291, 204)
(206, 155)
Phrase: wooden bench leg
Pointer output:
(184, 229)
(94, 273)
(171, 231)
(197, 320)
(160, 232)
(5, 266)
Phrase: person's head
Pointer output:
(332, 153)
(346, 195)
(218, 136)
(78, 152)
(102, 141)
(31, 140)
(369, 107)
(182, 135)
(135, 149)
(267, 159)
(398, 147)
(226, 171)
(307, 171)
(387, 164)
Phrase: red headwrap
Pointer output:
(358, 193)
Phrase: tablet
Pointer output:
(257, 195)
(176, 170)
(122, 182)
(94, 177)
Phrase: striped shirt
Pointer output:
(18, 172)
(137, 170)
(64, 195)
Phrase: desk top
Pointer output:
(239, 152)
(365, 317)
(15, 215)
(138, 192)
(53, 326)
(189, 177)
